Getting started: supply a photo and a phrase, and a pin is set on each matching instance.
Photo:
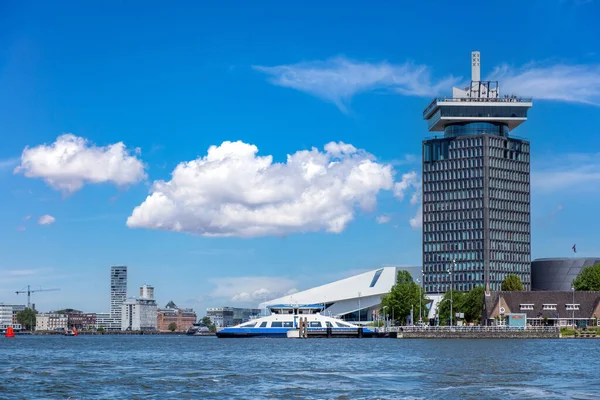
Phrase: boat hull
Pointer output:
(282, 333)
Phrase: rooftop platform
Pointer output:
(509, 110)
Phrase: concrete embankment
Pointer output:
(478, 335)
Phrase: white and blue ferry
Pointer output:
(286, 317)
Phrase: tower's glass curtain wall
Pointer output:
(118, 291)
(476, 193)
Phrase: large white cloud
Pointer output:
(71, 161)
(233, 192)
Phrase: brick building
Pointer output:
(182, 317)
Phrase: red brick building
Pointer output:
(184, 318)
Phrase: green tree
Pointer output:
(405, 294)
(458, 305)
(588, 279)
(206, 321)
(172, 326)
(473, 304)
(212, 328)
(26, 318)
(512, 283)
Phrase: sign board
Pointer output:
(517, 320)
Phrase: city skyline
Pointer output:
(183, 119)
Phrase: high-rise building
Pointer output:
(118, 293)
(476, 195)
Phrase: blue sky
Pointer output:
(315, 115)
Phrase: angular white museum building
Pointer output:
(356, 298)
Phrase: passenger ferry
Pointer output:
(286, 317)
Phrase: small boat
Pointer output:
(284, 318)
(198, 330)
(71, 332)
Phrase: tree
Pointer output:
(172, 326)
(26, 318)
(405, 294)
(206, 321)
(512, 283)
(473, 304)
(458, 300)
(588, 279)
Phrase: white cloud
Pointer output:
(383, 219)
(416, 222)
(571, 83)
(71, 161)
(46, 220)
(251, 289)
(561, 172)
(233, 192)
(338, 79)
(9, 163)
(409, 180)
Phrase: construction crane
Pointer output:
(29, 291)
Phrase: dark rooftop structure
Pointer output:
(558, 273)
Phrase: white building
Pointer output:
(51, 322)
(118, 293)
(357, 298)
(147, 292)
(139, 315)
(106, 322)
(6, 317)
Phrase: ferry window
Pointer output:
(264, 324)
(329, 324)
(315, 324)
(248, 325)
(288, 324)
(341, 325)
(276, 324)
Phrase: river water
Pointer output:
(168, 367)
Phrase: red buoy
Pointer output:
(10, 332)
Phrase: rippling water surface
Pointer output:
(166, 367)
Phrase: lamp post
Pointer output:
(450, 270)
(385, 316)
(420, 302)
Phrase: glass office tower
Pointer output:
(476, 194)
(118, 292)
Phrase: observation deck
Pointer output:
(508, 110)
(480, 102)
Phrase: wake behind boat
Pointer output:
(284, 318)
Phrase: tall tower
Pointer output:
(118, 291)
(476, 195)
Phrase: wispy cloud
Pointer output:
(562, 82)
(383, 219)
(251, 288)
(9, 163)
(338, 79)
(566, 171)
